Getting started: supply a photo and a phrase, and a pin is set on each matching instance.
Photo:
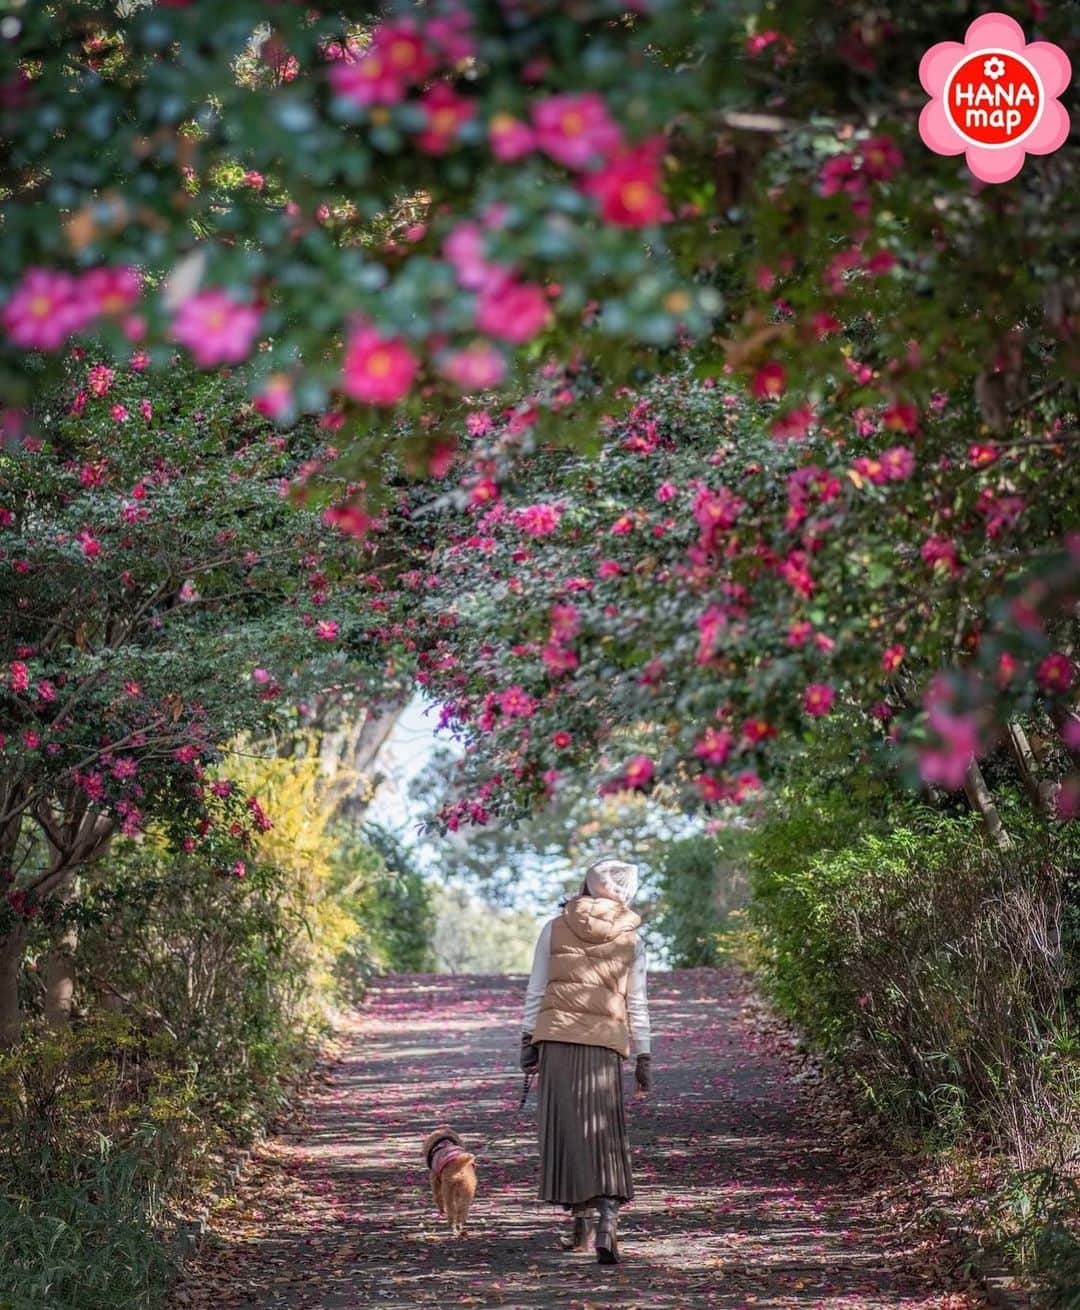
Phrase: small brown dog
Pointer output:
(453, 1178)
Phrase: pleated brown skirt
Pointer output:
(584, 1147)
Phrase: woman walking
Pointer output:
(585, 1012)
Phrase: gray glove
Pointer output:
(530, 1054)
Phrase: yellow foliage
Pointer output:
(300, 803)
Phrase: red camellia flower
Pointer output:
(769, 381)
(639, 771)
(445, 111)
(1055, 673)
(792, 426)
(892, 657)
(378, 370)
(714, 746)
(403, 51)
(561, 739)
(628, 188)
(818, 699)
(901, 418)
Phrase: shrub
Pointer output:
(702, 890)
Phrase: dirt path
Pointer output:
(744, 1199)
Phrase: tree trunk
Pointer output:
(1041, 791)
(60, 978)
(982, 802)
(11, 954)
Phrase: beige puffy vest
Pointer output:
(592, 952)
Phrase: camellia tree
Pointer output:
(402, 207)
(395, 213)
(720, 590)
(160, 596)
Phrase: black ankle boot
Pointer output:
(607, 1247)
(578, 1238)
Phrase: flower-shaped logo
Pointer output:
(994, 98)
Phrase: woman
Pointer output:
(585, 1011)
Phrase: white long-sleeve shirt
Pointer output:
(637, 1001)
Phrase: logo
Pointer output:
(994, 99)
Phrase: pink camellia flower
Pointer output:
(110, 291)
(146, 409)
(892, 657)
(639, 771)
(565, 622)
(99, 379)
(940, 553)
(366, 79)
(378, 370)
(818, 699)
(714, 746)
(538, 520)
(477, 367)
(466, 250)
(31, 740)
(276, 398)
(516, 703)
(513, 311)
(139, 362)
(91, 547)
(575, 129)
(608, 568)
(119, 413)
(349, 518)
(561, 739)
(1055, 673)
(46, 691)
(215, 328)
(769, 381)
(947, 763)
(510, 138)
(994, 98)
(666, 491)
(627, 188)
(18, 676)
(898, 463)
(445, 111)
(558, 659)
(484, 491)
(44, 310)
(261, 676)
(792, 426)
(326, 629)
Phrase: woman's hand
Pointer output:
(530, 1054)
(643, 1075)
